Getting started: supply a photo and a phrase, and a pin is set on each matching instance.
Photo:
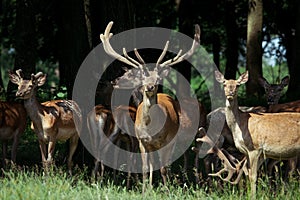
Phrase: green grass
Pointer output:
(30, 184)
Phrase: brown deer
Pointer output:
(51, 120)
(157, 117)
(101, 121)
(273, 93)
(12, 126)
(259, 135)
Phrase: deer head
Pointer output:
(26, 88)
(231, 86)
(273, 91)
(141, 74)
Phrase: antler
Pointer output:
(19, 73)
(238, 168)
(36, 76)
(110, 51)
(178, 58)
(130, 61)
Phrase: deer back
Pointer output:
(293, 106)
(277, 134)
(58, 113)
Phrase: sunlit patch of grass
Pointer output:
(32, 184)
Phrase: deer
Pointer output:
(101, 121)
(52, 121)
(157, 116)
(273, 93)
(13, 123)
(259, 135)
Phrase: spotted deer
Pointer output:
(52, 121)
(107, 127)
(157, 117)
(259, 135)
(12, 126)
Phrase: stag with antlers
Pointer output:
(51, 120)
(155, 108)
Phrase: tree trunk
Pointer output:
(254, 46)
(293, 92)
(25, 43)
(186, 26)
(73, 41)
(232, 41)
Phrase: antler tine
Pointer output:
(177, 59)
(19, 73)
(139, 57)
(36, 76)
(134, 61)
(110, 51)
(129, 58)
(39, 74)
(162, 55)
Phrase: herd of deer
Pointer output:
(257, 133)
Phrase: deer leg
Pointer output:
(134, 148)
(43, 150)
(51, 147)
(73, 145)
(116, 158)
(151, 163)
(185, 164)
(165, 156)
(95, 170)
(129, 163)
(270, 165)
(144, 157)
(292, 163)
(102, 169)
(14, 148)
(4, 153)
(254, 157)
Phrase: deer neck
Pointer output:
(148, 102)
(233, 118)
(33, 107)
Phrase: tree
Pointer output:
(254, 48)
(72, 40)
(24, 41)
(294, 87)
(232, 45)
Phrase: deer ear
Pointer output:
(164, 72)
(243, 78)
(219, 77)
(263, 82)
(285, 81)
(41, 80)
